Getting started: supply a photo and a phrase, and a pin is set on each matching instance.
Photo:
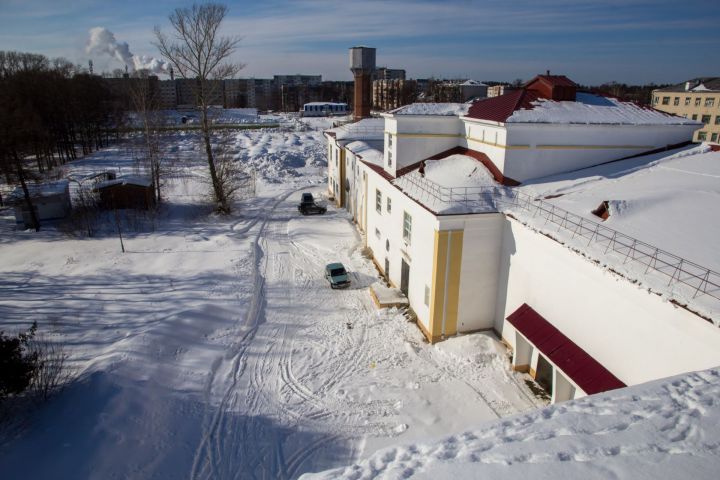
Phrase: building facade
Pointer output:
(697, 99)
(391, 94)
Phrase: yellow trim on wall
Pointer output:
(592, 147)
(437, 290)
(453, 282)
(445, 289)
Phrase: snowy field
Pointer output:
(214, 348)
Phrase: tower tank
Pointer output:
(362, 64)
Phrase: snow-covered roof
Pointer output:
(473, 83)
(324, 103)
(40, 190)
(595, 109)
(365, 129)
(701, 84)
(666, 199)
(655, 430)
(368, 151)
(435, 109)
(454, 184)
(127, 180)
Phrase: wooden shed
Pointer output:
(127, 192)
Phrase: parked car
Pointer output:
(337, 275)
(308, 206)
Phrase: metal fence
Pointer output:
(678, 270)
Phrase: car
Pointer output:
(308, 206)
(336, 274)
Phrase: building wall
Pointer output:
(385, 240)
(415, 138)
(636, 335)
(335, 153)
(693, 105)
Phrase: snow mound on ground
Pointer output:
(656, 430)
(321, 233)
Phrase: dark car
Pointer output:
(308, 206)
(336, 274)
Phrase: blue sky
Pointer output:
(633, 41)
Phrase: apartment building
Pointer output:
(697, 99)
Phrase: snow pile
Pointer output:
(388, 296)
(370, 152)
(458, 171)
(594, 109)
(439, 109)
(663, 429)
(452, 185)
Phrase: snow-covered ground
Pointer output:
(664, 429)
(214, 348)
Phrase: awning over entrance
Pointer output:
(574, 362)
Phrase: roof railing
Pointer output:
(697, 279)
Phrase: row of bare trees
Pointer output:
(48, 111)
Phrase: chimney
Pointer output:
(362, 64)
(172, 74)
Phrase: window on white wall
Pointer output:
(389, 205)
(378, 201)
(427, 295)
(377, 233)
(407, 227)
(389, 158)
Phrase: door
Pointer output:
(404, 277)
(387, 269)
(544, 374)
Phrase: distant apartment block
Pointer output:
(697, 99)
(391, 94)
(385, 73)
(497, 90)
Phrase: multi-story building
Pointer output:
(391, 94)
(458, 91)
(427, 184)
(168, 94)
(501, 89)
(697, 99)
(239, 93)
(385, 73)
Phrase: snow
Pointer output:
(452, 185)
(473, 83)
(214, 348)
(47, 189)
(325, 103)
(126, 180)
(701, 88)
(369, 151)
(439, 109)
(365, 129)
(388, 296)
(663, 429)
(594, 109)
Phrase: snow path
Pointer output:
(215, 348)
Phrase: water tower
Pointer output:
(362, 64)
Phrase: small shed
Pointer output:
(51, 201)
(127, 192)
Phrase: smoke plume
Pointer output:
(102, 42)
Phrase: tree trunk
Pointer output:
(26, 193)
(217, 187)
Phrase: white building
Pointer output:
(444, 226)
(324, 109)
(51, 201)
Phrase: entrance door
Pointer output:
(387, 269)
(404, 277)
(544, 374)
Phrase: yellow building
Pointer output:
(698, 99)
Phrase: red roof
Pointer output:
(498, 109)
(554, 80)
(574, 362)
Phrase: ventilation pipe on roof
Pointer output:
(690, 84)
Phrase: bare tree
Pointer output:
(145, 103)
(196, 51)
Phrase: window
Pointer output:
(714, 137)
(676, 102)
(407, 227)
(427, 295)
(687, 101)
(709, 102)
(694, 117)
(656, 100)
(666, 101)
(378, 201)
(389, 158)
(388, 207)
(377, 233)
(717, 119)
(702, 136)
(697, 102)
(389, 141)
(706, 119)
